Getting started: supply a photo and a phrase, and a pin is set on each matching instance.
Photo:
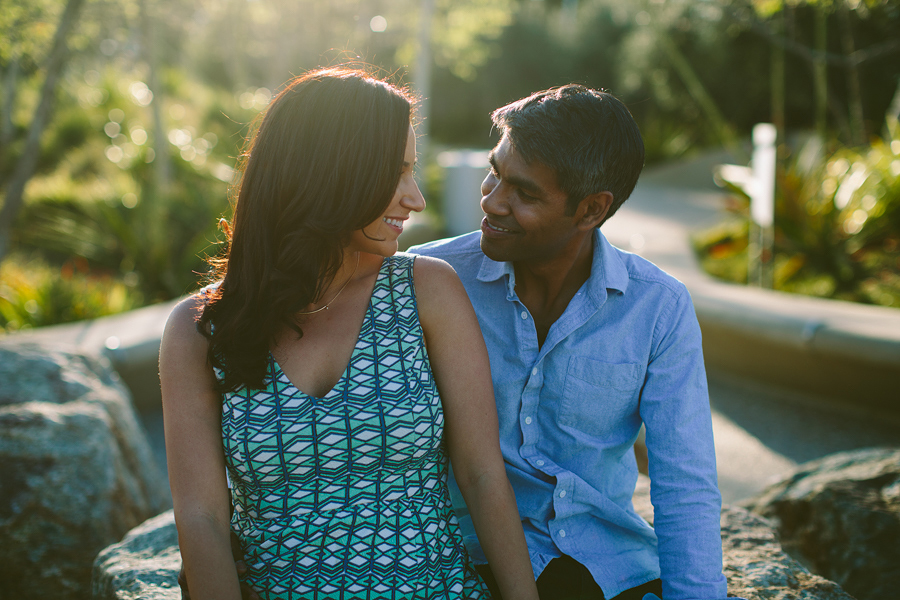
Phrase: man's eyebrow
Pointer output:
(520, 182)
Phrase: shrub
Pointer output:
(33, 293)
(837, 225)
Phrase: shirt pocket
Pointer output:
(597, 395)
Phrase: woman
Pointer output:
(305, 374)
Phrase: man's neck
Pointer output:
(547, 287)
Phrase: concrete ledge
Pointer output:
(840, 350)
(130, 340)
(823, 327)
(828, 348)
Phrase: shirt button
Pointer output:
(524, 314)
(540, 463)
(528, 420)
(562, 494)
(534, 371)
(562, 533)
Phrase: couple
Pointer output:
(332, 377)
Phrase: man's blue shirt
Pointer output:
(625, 351)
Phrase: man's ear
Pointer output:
(592, 210)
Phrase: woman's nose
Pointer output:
(413, 200)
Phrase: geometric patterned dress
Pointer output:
(346, 496)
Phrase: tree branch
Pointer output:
(747, 18)
(28, 161)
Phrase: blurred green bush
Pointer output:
(33, 293)
(110, 196)
(98, 197)
(837, 225)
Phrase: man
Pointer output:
(587, 342)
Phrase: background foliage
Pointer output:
(131, 170)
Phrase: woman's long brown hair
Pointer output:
(325, 161)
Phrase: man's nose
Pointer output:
(491, 203)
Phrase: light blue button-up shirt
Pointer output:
(625, 351)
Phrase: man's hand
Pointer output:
(247, 592)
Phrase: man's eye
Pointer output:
(526, 196)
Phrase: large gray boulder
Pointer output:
(143, 566)
(76, 471)
(840, 516)
(757, 568)
(755, 565)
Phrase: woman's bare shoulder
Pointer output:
(438, 289)
(434, 277)
(181, 326)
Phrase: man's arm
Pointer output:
(682, 459)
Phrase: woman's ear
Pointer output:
(592, 210)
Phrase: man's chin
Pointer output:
(492, 251)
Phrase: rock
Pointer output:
(754, 563)
(144, 565)
(840, 516)
(76, 471)
(757, 568)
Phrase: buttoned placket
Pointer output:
(525, 330)
(580, 309)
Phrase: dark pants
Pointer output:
(567, 579)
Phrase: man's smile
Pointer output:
(489, 226)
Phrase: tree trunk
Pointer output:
(854, 99)
(9, 99)
(820, 71)
(422, 80)
(28, 161)
(162, 168)
(893, 111)
(698, 92)
(778, 83)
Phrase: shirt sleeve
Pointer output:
(682, 458)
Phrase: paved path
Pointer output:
(761, 432)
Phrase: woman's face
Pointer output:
(380, 236)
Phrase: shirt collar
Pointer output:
(608, 271)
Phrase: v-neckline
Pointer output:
(279, 373)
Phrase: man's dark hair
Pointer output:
(586, 136)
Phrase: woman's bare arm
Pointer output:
(462, 372)
(192, 413)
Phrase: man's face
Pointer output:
(525, 212)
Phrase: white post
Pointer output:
(762, 198)
(465, 170)
(758, 182)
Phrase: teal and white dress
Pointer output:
(346, 496)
